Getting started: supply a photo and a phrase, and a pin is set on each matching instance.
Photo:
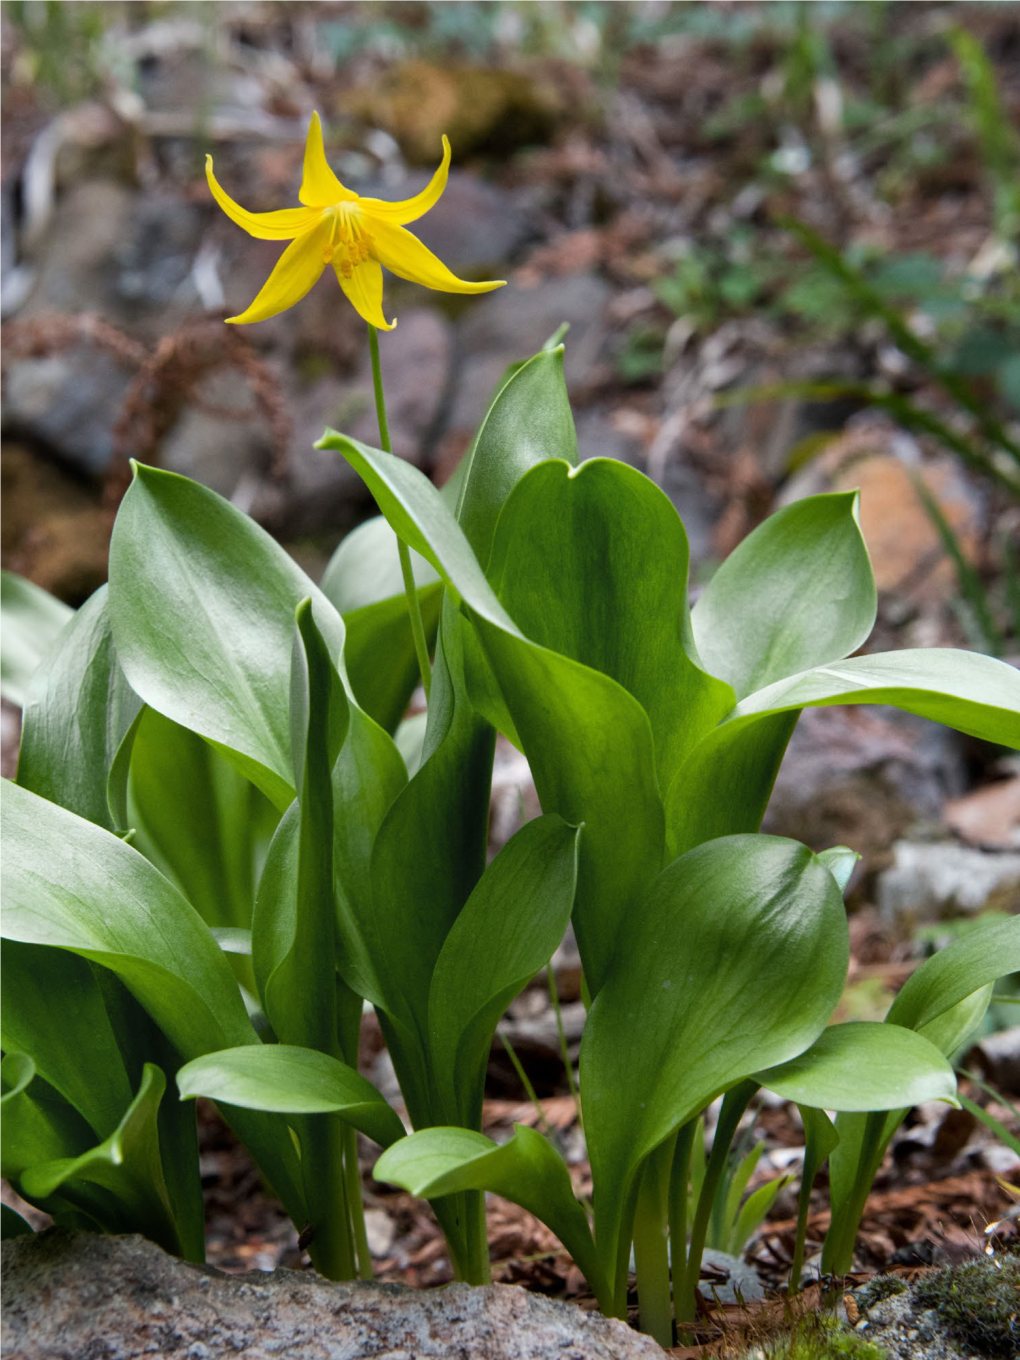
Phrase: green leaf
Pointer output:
(840, 861)
(38, 1124)
(524, 1170)
(528, 422)
(126, 1165)
(864, 1066)
(78, 710)
(508, 929)
(32, 619)
(202, 607)
(734, 960)
(798, 592)
(990, 951)
(973, 693)
(72, 885)
(589, 741)
(287, 1079)
(753, 1213)
(52, 1009)
(202, 824)
(572, 564)
(364, 581)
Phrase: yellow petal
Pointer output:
(364, 289)
(296, 273)
(413, 208)
(405, 256)
(320, 188)
(269, 226)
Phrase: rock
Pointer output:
(863, 777)
(997, 1057)
(68, 401)
(480, 108)
(742, 1284)
(514, 323)
(933, 882)
(475, 228)
(963, 1312)
(318, 487)
(68, 1295)
(989, 817)
(213, 448)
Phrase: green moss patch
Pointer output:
(979, 1304)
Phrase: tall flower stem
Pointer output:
(410, 589)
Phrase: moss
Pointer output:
(978, 1303)
(881, 1287)
(817, 1338)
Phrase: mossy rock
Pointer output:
(479, 108)
(978, 1303)
(817, 1337)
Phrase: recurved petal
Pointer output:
(269, 226)
(364, 288)
(410, 209)
(405, 256)
(320, 188)
(296, 273)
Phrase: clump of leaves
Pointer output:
(817, 1337)
(979, 1303)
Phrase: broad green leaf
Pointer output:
(75, 886)
(52, 1009)
(724, 784)
(126, 1165)
(204, 825)
(364, 581)
(573, 566)
(982, 956)
(524, 1170)
(798, 592)
(508, 929)
(431, 847)
(72, 885)
(840, 861)
(589, 741)
(288, 1079)
(37, 1124)
(32, 618)
(78, 710)
(528, 422)
(734, 960)
(864, 1066)
(974, 693)
(202, 607)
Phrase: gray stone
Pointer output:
(71, 1295)
(68, 401)
(743, 1284)
(932, 882)
(514, 323)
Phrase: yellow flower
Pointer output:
(357, 236)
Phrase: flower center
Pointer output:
(349, 243)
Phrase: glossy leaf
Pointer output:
(202, 607)
(288, 1079)
(525, 1170)
(864, 1066)
(571, 564)
(528, 422)
(738, 950)
(32, 618)
(72, 885)
(508, 929)
(796, 593)
(840, 861)
(989, 951)
(78, 709)
(204, 825)
(126, 1165)
(52, 1009)
(589, 741)
(37, 1124)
